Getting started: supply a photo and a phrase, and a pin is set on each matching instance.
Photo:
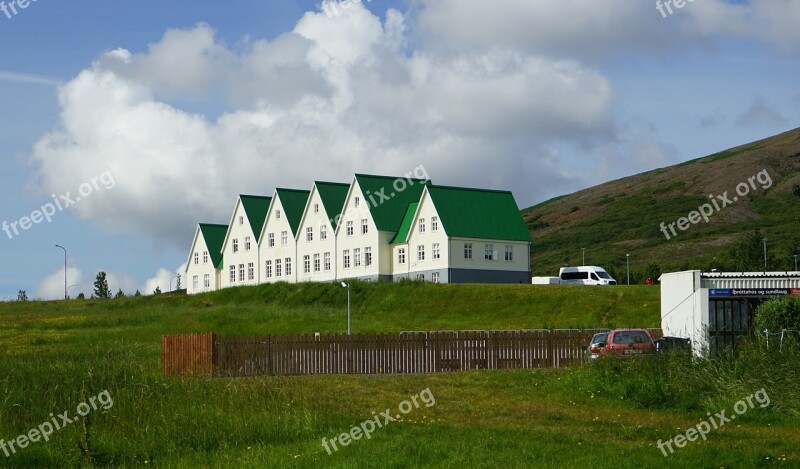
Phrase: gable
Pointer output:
(214, 237)
(255, 207)
(294, 203)
(388, 198)
(333, 196)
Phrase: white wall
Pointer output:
(316, 220)
(277, 224)
(202, 268)
(684, 308)
(239, 230)
(378, 242)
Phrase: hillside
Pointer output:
(624, 216)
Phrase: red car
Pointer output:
(628, 342)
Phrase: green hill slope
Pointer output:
(624, 216)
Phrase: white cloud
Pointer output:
(52, 286)
(164, 279)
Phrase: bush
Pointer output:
(778, 314)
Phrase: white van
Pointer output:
(585, 275)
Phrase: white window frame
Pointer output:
(205, 257)
(233, 274)
(235, 245)
(468, 251)
(309, 234)
(197, 258)
(327, 261)
(401, 256)
(364, 226)
(271, 240)
(346, 259)
(489, 253)
(195, 283)
(435, 277)
(306, 264)
(509, 253)
(287, 266)
(268, 269)
(278, 270)
(251, 271)
(356, 258)
(420, 253)
(246, 243)
(349, 228)
(421, 225)
(367, 256)
(434, 223)
(284, 238)
(206, 281)
(241, 272)
(316, 208)
(323, 232)
(436, 251)
(317, 266)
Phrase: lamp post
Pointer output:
(583, 252)
(628, 262)
(795, 262)
(345, 285)
(65, 270)
(765, 255)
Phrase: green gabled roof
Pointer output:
(402, 233)
(256, 206)
(479, 213)
(214, 236)
(388, 214)
(333, 195)
(294, 203)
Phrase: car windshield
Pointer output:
(603, 274)
(600, 337)
(631, 337)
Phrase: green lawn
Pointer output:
(56, 355)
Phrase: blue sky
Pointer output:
(186, 104)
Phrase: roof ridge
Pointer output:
(473, 189)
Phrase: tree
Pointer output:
(178, 286)
(652, 271)
(81, 296)
(137, 294)
(778, 314)
(120, 294)
(101, 290)
(157, 291)
(22, 296)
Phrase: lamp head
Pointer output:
(344, 285)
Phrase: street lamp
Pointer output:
(344, 285)
(65, 270)
(795, 262)
(583, 251)
(765, 255)
(628, 258)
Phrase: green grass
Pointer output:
(56, 355)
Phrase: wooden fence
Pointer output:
(406, 352)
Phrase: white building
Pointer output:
(371, 217)
(316, 236)
(278, 247)
(713, 309)
(463, 235)
(240, 248)
(205, 259)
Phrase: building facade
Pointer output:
(205, 259)
(316, 236)
(240, 248)
(278, 248)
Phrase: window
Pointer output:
(241, 220)
(401, 256)
(251, 271)
(241, 272)
(323, 232)
(288, 266)
(434, 223)
(196, 258)
(271, 240)
(316, 208)
(247, 243)
(357, 257)
(435, 276)
(277, 267)
(316, 263)
(436, 254)
(306, 264)
(233, 274)
(420, 253)
(195, 283)
(358, 202)
(268, 269)
(509, 253)
(278, 214)
(349, 228)
(467, 250)
(489, 253)
(367, 257)
(235, 245)
(421, 277)
(309, 234)
(205, 257)
(421, 225)
(364, 226)
(327, 262)
(284, 238)
(206, 281)
(346, 259)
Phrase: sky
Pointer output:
(125, 124)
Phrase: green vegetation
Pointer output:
(56, 355)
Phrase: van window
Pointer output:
(604, 274)
(594, 277)
(575, 276)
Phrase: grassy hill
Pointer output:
(624, 216)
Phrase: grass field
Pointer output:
(57, 355)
